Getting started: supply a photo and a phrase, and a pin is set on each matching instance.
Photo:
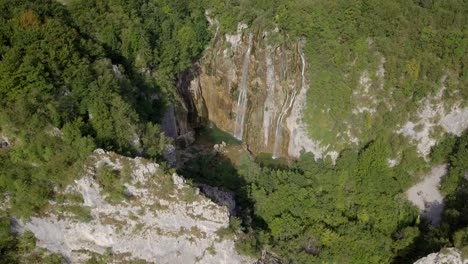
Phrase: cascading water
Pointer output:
(242, 99)
(269, 108)
(279, 131)
(303, 68)
(285, 110)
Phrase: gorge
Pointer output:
(256, 90)
(266, 132)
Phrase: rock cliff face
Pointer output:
(255, 89)
(445, 256)
(163, 220)
(434, 119)
(253, 84)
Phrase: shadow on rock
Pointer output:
(218, 178)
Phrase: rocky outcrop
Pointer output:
(426, 195)
(177, 124)
(433, 120)
(445, 256)
(268, 258)
(219, 196)
(254, 86)
(4, 142)
(163, 220)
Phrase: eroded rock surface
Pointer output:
(445, 256)
(433, 120)
(163, 221)
(255, 90)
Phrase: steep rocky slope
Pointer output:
(256, 90)
(254, 84)
(445, 256)
(163, 220)
(434, 119)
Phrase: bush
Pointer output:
(111, 183)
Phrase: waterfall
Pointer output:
(303, 68)
(169, 123)
(285, 108)
(242, 99)
(269, 108)
(279, 131)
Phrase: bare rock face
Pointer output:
(426, 195)
(219, 196)
(163, 220)
(433, 120)
(4, 142)
(445, 256)
(256, 90)
(176, 124)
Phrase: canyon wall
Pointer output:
(253, 85)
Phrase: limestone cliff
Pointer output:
(163, 220)
(445, 256)
(253, 85)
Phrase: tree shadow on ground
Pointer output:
(216, 170)
(430, 237)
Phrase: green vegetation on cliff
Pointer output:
(97, 73)
(355, 211)
(421, 44)
(86, 75)
(313, 212)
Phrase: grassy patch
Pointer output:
(138, 228)
(69, 197)
(225, 233)
(464, 253)
(157, 206)
(189, 195)
(112, 184)
(215, 135)
(211, 249)
(81, 213)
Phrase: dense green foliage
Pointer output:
(353, 212)
(157, 38)
(455, 185)
(452, 230)
(84, 76)
(81, 76)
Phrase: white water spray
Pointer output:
(286, 108)
(269, 107)
(242, 99)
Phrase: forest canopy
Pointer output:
(82, 76)
(77, 75)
